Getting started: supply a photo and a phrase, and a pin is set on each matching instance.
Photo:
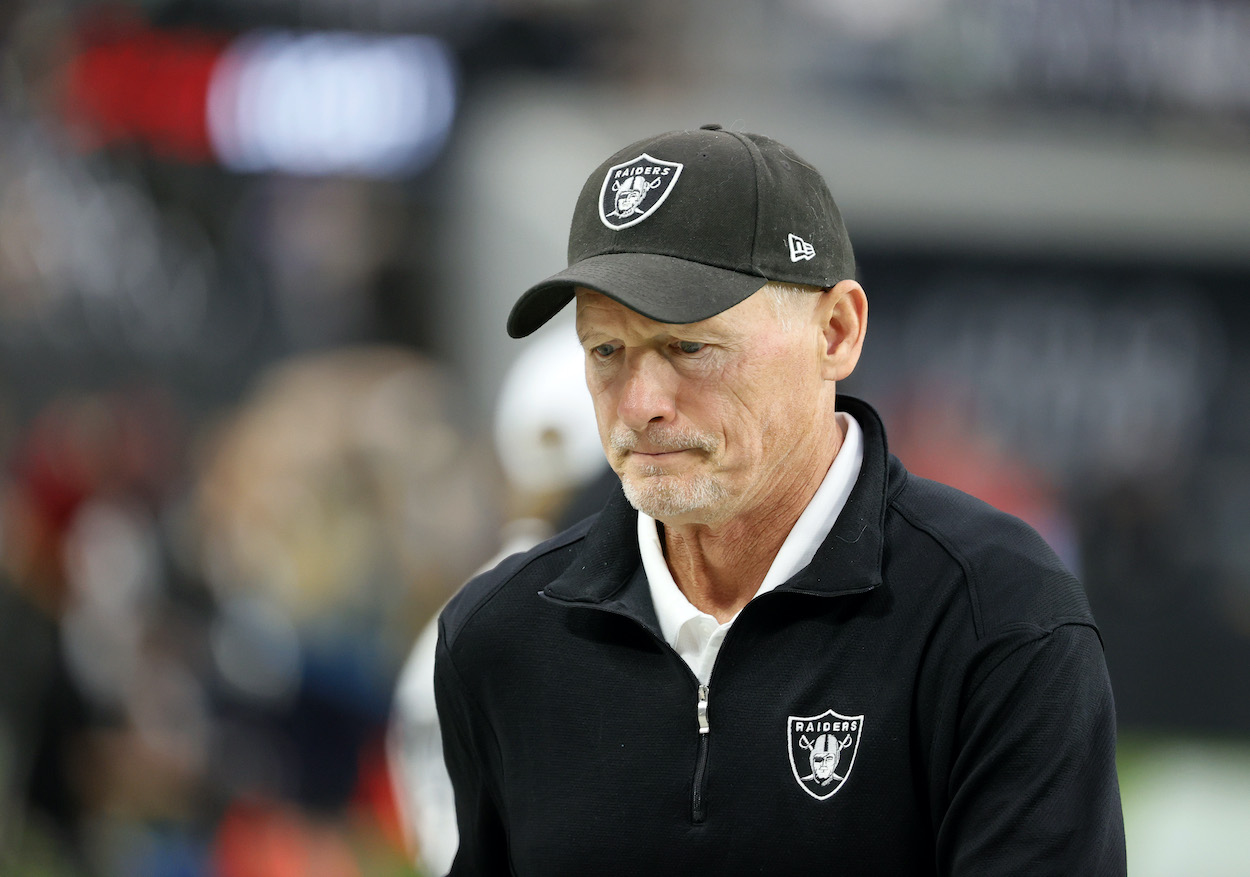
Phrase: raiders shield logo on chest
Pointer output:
(822, 750)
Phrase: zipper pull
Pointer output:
(703, 725)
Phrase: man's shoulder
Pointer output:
(513, 583)
(1011, 574)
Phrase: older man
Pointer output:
(775, 651)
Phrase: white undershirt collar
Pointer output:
(697, 636)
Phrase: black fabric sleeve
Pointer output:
(1033, 785)
(470, 752)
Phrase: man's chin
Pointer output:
(672, 499)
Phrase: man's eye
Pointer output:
(690, 346)
(603, 350)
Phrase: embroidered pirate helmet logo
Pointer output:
(822, 750)
(634, 190)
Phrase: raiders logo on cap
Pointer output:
(634, 190)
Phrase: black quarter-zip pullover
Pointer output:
(928, 697)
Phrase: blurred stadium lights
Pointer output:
(331, 103)
(311, 104)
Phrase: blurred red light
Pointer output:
(136, 85)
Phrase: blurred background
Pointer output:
(259, 416)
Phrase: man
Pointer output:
(775, 651)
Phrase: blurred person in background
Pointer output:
(104, 718)
(548, 447)
(336, 510)
(774, 648)
(201, 633)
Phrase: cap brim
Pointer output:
(663, 288)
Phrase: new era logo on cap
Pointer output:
(800, 249)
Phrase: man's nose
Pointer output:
(647, 395)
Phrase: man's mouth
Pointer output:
(658, 447)
(661, 452)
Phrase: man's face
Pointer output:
(700, 420)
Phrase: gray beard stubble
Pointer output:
(659, 494)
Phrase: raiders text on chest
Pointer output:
(801, 726)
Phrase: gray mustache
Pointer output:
(662, 439)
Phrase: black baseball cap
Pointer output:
(686, 224)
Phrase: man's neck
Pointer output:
(720, 567)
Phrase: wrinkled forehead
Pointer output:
(598, 312)
(600, 319)
(590, 304)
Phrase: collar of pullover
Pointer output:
(607, 570)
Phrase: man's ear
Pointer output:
(844, 317)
